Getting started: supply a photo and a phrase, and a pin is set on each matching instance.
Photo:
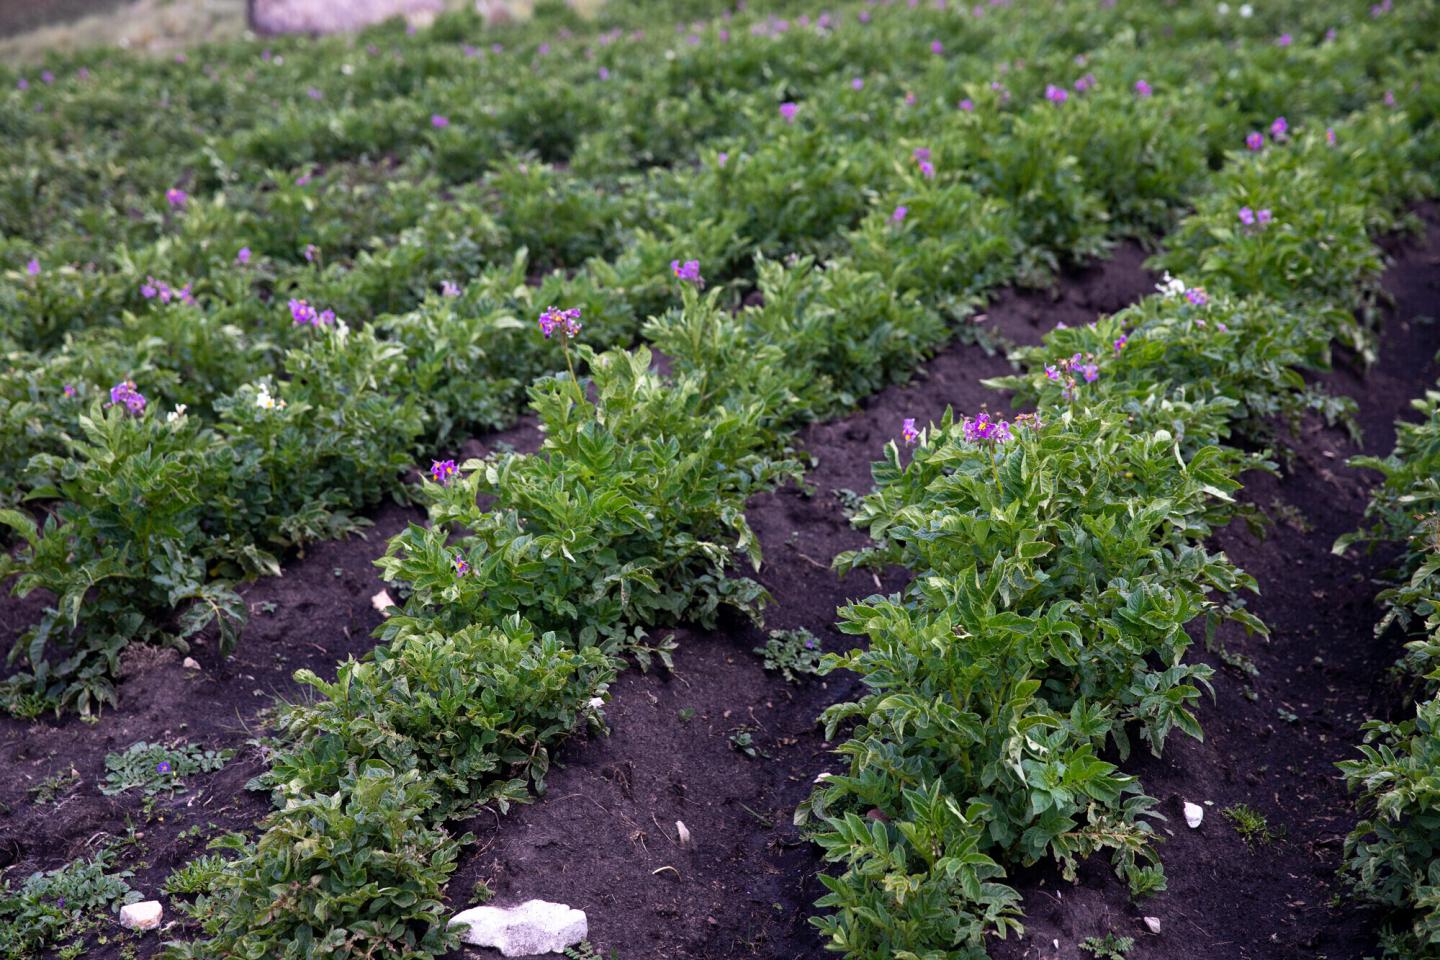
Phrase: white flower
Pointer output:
(1223, 9)
(1246, 9)
(1170, 286)
(176, 414)
(264, 401)
(346, 69)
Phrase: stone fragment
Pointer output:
(144, 915)
(535, 926)
(1152, 924)
(1194, 814)
(190, 663)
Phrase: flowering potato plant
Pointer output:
(629, 514)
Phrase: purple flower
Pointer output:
(1247, 216)
(243, 257)
(936, 47)
(1330, 136)
(462, 566)
(689, 271)
(1389, 98)
(449, 288)
(899, 215)
(604, 73)
(69, 390)
(787, 110)
(927, 169)
(967, 105)
(921, 154)
(176, 197)
(981, 429)
(1056, 94)
(1197, 296)
(908, 433)
(1283, 40)
(857, 84)
(46, 77)
(1255, 140)
(314, 94)
(303, 315)
(124, 394)
(22, 84)
(442, 471)
(910, 98)
(1278, 127)
(311, 252)
(33, 267)
(721, 159)
(439, 120)
(148, 289)
(163, 767)
(554, 318)
(1120, 344)
(1052, 373)
(1263, 216)
(1085, 83)
(1090, 372)
(1142, 89)
(863, 16)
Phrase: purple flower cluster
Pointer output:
(176, 197)
(243, 257)
(124, 394)
(1255, 140)
(922, 159)
(33, 267)
(1279, 127)
(311, 252)
(899, 215)
(1085, 83)
(1142, 89)
(1251, 218)
(908, 433)
(442, 471)
(688, 272)
(554, 318)
(788, 110)
(981, 429)
(1197, 296)
(1056, 94)
(304, 315)
(449, 288)
(153, 289)
(1064, 371)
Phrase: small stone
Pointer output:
(382, 602)
(190, 663)
(144, 915)
(596, 703)
(683, 831)
(1194, 814)
(536, 926)
(1152, 924)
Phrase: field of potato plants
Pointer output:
(897, 480)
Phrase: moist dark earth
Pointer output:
(17, 16)
(604, 837)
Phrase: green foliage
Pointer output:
(1391, 855)
(157, 768)
(1109, 947)
(201, 875)
(1249, 823)
(49, 909)
(791, 652)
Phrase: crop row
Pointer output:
(1058, 559)
(1391, 855)
(294, 423)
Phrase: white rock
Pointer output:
(596, 703)
(683, 832)
(144, 915)
(382, 602)
(1194, 814)
(190, 663)
(1152, 924)
(536, 926)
